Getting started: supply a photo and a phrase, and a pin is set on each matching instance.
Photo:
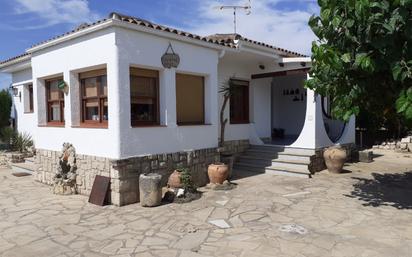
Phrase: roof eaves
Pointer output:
(15, 59)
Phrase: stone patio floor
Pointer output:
(364, 212)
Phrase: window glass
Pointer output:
(55, 101)
(90, 87)
(144, 97)
(94, 96)
(239, 102)
(30, 88)
(55, 112)
(54, 92)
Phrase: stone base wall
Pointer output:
(46, 163)
(14, 157)
(124, 174)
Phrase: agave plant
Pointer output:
(22, 142)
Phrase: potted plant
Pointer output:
(226, 158)
(335, 157)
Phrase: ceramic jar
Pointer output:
(335, 157)
(174, 180)
(218, 173)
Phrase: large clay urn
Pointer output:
(174, 180)
(335, 157)
(218, 173)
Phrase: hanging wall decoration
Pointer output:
(170, 59)
(62, 85)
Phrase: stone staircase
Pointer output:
(26, 167)
(276, 160)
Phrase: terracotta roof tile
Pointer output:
(227, 40)
(15, 58)
(230, 38)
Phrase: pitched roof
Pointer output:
(227, 40)
(230, 38)
(16, 59)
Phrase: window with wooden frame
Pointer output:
(144, 97)
(30, 95)
(94, 98)
(190, 94)
(239, 102)
(55, 102)
(28, 98)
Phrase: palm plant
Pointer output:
(227, 90)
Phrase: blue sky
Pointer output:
(279, 22)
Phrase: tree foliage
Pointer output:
(363, 58)
(5, 108)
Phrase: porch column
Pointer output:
(313, 134)
(118, 101)
(168, 98)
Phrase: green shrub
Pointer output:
(22, 142)
(186, 179)
(6, 135)
(5, 108)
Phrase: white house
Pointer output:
(126, 113)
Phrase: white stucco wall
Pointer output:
(68, 59)
(261, 93)
(286, 113)
(260, 90)
(231, 69)
(145, 50)
(25, 121)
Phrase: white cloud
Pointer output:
(287, 28)
(52, 12)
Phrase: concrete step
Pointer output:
(280, 158)
(277, 169)
(278, 149)
(284, 172)
(29, 160)
(22, 167)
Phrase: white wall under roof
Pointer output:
(145, 50)
(66, 59)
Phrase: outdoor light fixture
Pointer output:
(15, 91)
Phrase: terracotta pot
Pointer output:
(174, 180)
(218, 173)
(228, 159)
(335, 157)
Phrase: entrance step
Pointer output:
(282, 149)
(23, 167)
(29, 160)
(276, 160)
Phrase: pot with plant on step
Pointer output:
(335, 157)
(218, 173)
(174, 179)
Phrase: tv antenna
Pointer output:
(247, 8)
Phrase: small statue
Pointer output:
(65, 177)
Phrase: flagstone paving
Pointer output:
(365, 212)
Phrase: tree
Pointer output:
(5, 108)
(363, 58)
